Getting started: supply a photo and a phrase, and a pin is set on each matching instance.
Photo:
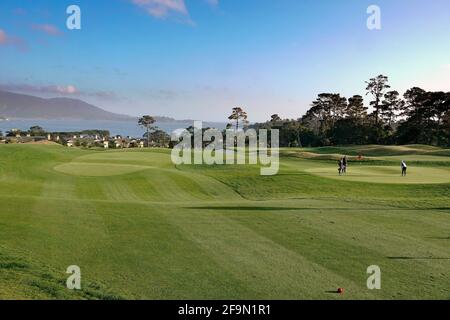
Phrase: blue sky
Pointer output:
(197, 59)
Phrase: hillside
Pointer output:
(14, 105)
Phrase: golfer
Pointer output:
(340, 167)
(404, 168)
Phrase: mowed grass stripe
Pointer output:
(90, 189)
(164, 263)
(345, 261)
(63, 187)
(209, 188)
(272, 269)
(395, 244)
(83, 241)
(177, 186)
(119, 190)
(348, 251)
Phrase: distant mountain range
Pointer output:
(21, 106)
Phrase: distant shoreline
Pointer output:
(130, 119)
(115, 127)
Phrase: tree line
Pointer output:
(417, 117)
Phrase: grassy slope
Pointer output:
(214, 232)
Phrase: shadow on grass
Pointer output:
(254, 208)
(247, 208)
(417, 258)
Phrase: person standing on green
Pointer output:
(344, 164)
(404, 168)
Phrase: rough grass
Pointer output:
(23, 277)
(220, 232)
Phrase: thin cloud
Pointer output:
(176, 9)
(48, 29)
(60, 90)
(26, 88)
(162, 8)
(3, 37)
(16, 42)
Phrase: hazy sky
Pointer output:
(197, 59)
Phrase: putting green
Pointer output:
(386, 174)
(98, 169)
(154, 159)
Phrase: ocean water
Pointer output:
(123, 128)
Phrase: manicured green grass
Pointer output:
(376, 150)
(98, 169)
(139, 227)
(387, 174)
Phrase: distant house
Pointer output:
(90, 140)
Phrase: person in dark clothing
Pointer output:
(344, 164)
(340, 167)
(404, 168)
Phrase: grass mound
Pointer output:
(376, 150)
(98, 169)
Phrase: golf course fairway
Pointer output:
(140, 227)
